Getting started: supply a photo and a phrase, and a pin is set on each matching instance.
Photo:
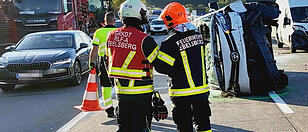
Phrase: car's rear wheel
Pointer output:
(76, 80)
(7, 87)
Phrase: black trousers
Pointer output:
(104, 79)
(191, 110)
(134, 112)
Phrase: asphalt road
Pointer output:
(43, 107)
(38, 108)
(46, 108)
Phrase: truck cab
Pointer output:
(293, 24)
(28, 16)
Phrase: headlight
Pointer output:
(3, 62)
(298, 27)
(62, 61)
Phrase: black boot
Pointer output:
(110, 112)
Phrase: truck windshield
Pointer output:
(95, 5)
(46, 41)
(300, 14)
(38, 6)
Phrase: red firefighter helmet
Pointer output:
(174, 14)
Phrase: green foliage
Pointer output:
(222, 3)
(190, 7)
(117, 3)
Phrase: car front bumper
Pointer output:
(159, 30)
(49, 75)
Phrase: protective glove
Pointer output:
(92, 65)
(160, 111)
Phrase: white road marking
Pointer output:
(76, 119)
(280, 103)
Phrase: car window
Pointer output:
(155, 22)
(118, 24)
(78, 40)
(45, 41)
(85, 38)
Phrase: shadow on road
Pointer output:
(45, 88)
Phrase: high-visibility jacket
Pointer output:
(100, 38)
(128, 60)
(182, 57)
(130, 53)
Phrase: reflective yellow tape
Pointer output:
(95, 41)
(126, 72)
(102, 49)
(187, 69)
(205, 131)
(131, 83)
(135, 90)
(203, 67)
(128, 59)
(188, 91)
(166, 58)
(153, 55)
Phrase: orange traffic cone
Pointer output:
(90, 97)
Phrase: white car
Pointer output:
(158, 26)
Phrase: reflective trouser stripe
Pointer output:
(90, 96)
(187, 69)
(153, 55)
(135, 90)
(166, 58)
(127, 72)
(131, 83)
(128, 59)
(107, 96)
(203, 67)
(205, 131)
(189, 91)
(92, 78)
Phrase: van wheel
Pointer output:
(280, 45)
(7, 87)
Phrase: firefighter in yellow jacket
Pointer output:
(99, 47)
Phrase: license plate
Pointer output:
(28, 75)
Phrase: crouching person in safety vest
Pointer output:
(182, 59)
(99, 47)
(131, 53)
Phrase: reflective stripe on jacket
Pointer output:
(127, 60)
(182, 58)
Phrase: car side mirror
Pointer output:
(10, 48)
(286, 21)
(83, 45)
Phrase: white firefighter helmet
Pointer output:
(133, 8)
